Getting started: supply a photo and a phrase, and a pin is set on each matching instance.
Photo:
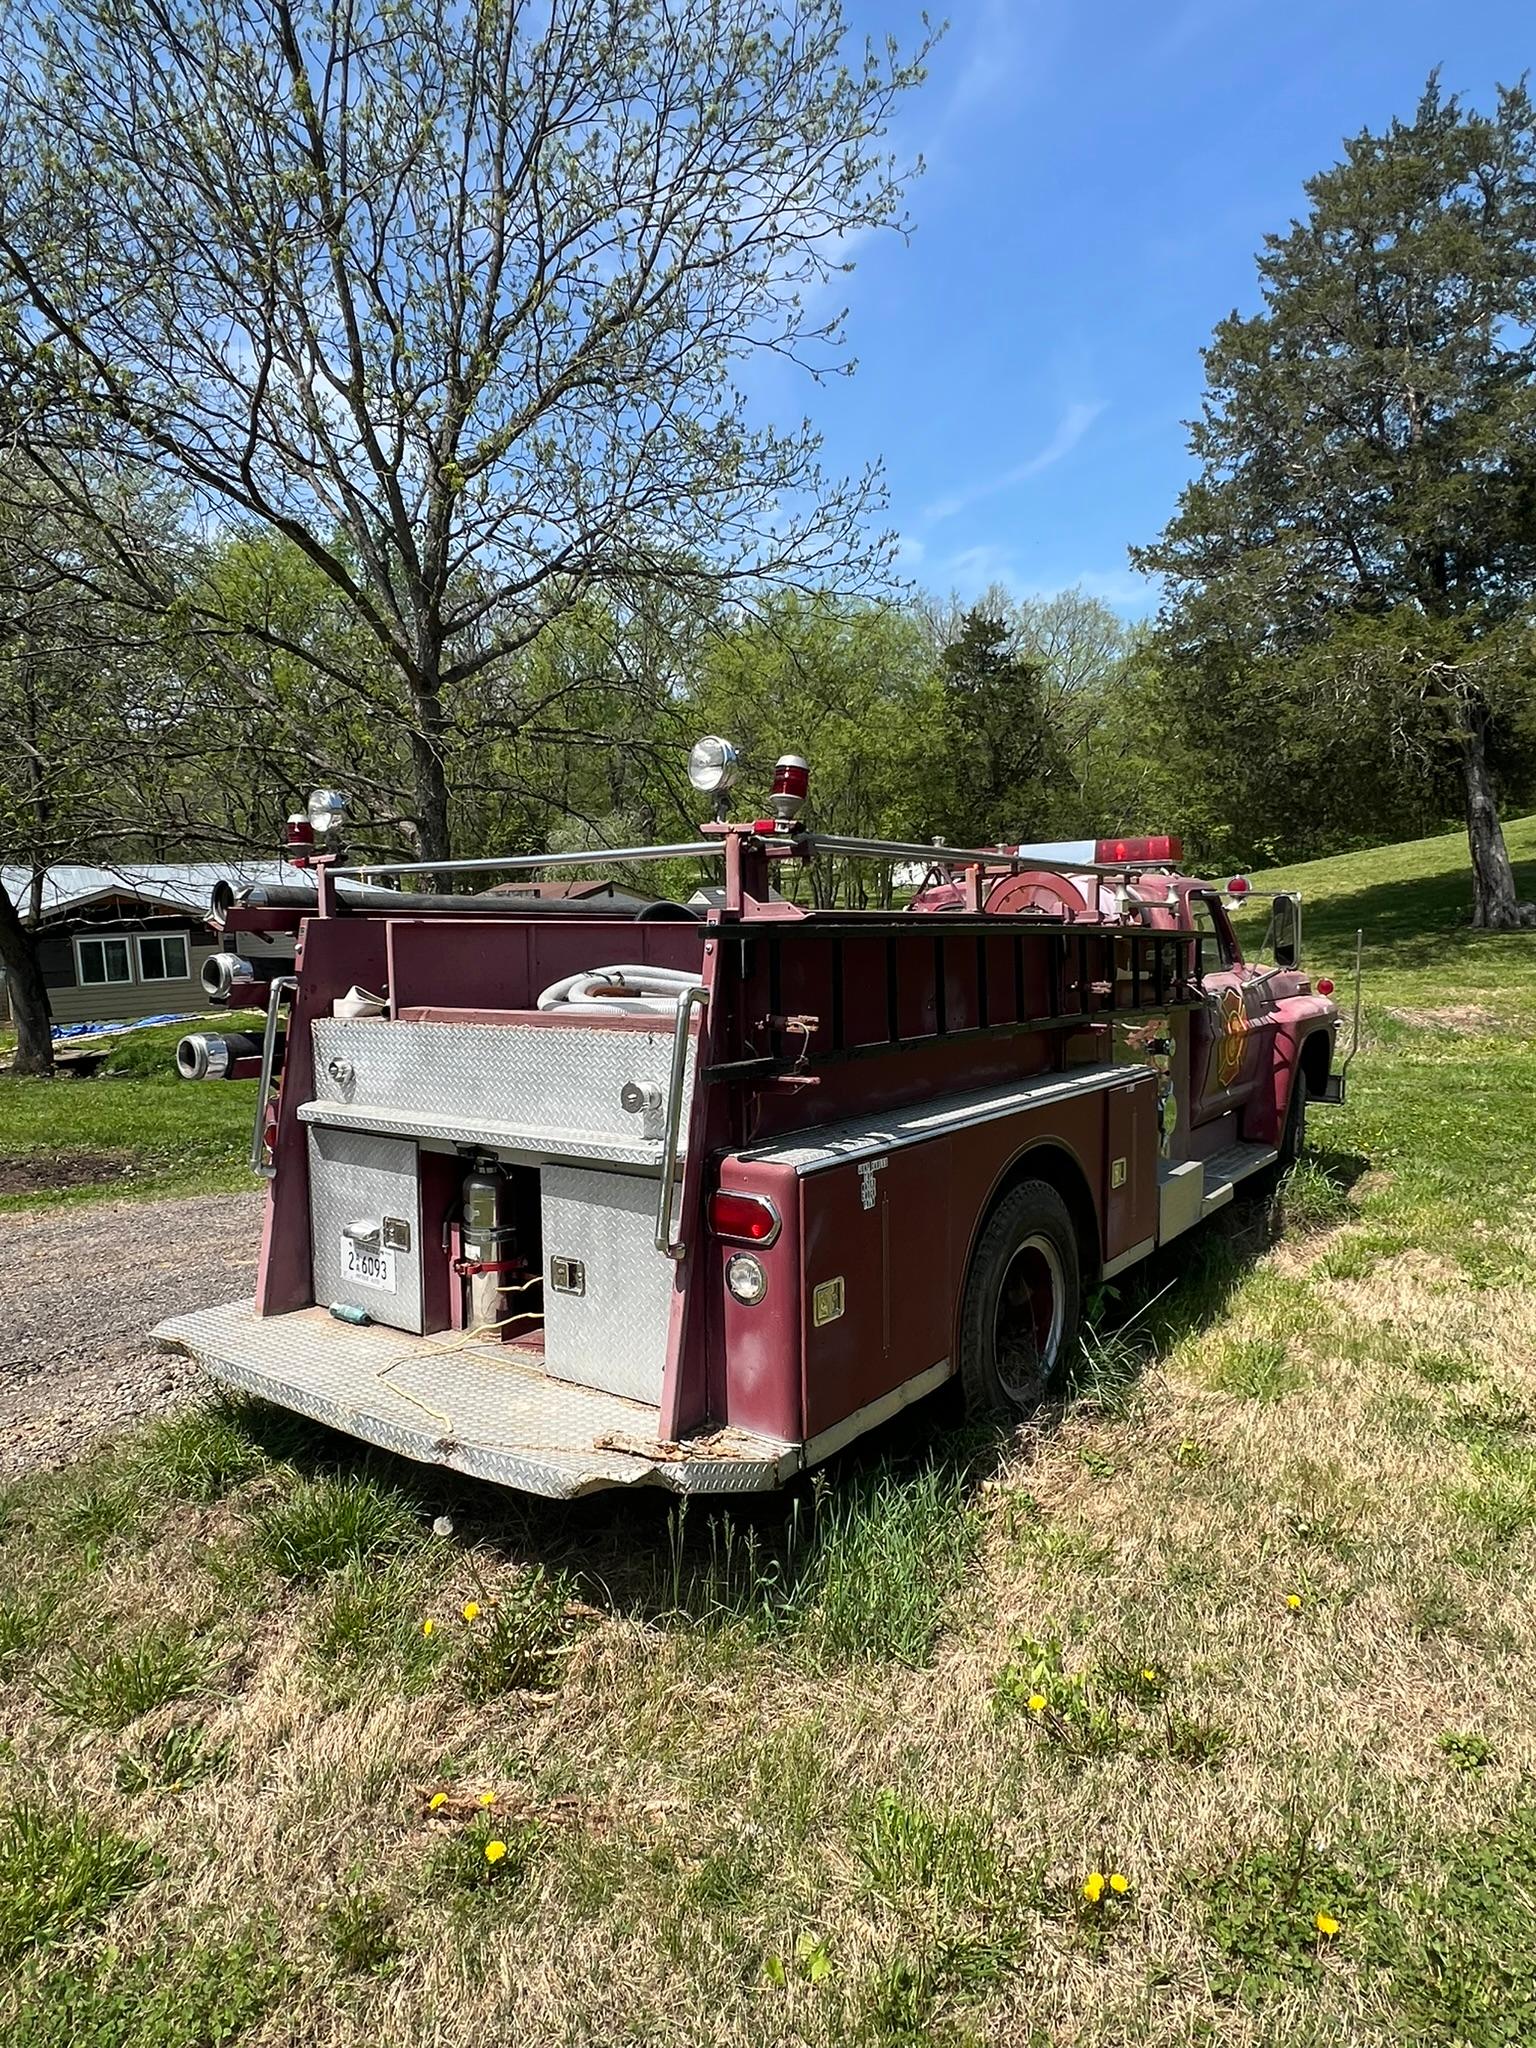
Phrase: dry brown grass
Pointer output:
(701, 1796)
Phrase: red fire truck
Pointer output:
(571, 1193)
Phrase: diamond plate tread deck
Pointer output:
(467, 1404)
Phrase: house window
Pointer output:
(163, 957)
(101, 960)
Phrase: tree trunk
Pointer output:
(431, 781)
(28, 994)
(1495, 905)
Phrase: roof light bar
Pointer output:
(1156, 849)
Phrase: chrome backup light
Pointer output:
(713, 765)
(745, 1278)
(325, 809)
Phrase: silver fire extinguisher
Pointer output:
(486, 1241)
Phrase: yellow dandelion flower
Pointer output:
(428, 1625)
(1293, 1601)
(1093, 1887)
(487, 1798)
(1326, 1924)
(438, 1799)
(471, 1610)
(1149, 1674)
(494, 1851)
(1119, 1883)
(1037, 1703)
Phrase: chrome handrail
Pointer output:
(800, 842)
(672, 1133)
(282, 984)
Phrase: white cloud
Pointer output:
(993, 57)
(1070, 429)
(973, 570)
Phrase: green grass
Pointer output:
(60, 1874)
(176, 1996)
(148, 1132)
(112, 1686)
(327, 1524)
(772, 1771)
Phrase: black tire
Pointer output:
(1023, 1295)
(1294, 1136)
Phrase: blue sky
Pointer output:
(1099, 180)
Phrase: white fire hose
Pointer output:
(621, 991)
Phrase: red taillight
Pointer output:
(1162, 846)
(743, 1219)
(1238, 886)
(1324, 986)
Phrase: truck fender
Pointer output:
(1047, 1159)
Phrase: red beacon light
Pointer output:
(1239, 886)
(1160, 850)
(1323, 986)
(299, 840)
(791, 786)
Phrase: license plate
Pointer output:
(368, 1266)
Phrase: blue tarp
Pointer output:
(135, 1024)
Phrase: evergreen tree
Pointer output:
(1359, 546)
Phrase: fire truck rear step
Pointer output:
(474, 1406)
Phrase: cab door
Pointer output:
(1233, 1032)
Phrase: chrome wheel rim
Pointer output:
(1027, 1321)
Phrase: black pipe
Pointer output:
(363, 896)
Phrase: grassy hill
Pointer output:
(1198, 1713)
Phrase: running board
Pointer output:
(1194, 1188)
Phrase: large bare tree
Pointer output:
(454, 297)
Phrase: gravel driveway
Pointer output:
(80, 1289)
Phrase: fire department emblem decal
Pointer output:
(1234, 1030)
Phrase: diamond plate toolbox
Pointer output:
(564, 1081)
(600, 1228)
(365, 1224)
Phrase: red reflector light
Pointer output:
(1162, 846)
(1324, 987)
(743, 1219)
(1238, 886)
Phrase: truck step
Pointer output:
(1188, 1189)
(477, 1407)
(1226, 1170)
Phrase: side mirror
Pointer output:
(1285, 929)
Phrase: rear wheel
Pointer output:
(1022, 1299)
(1294, 1136)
